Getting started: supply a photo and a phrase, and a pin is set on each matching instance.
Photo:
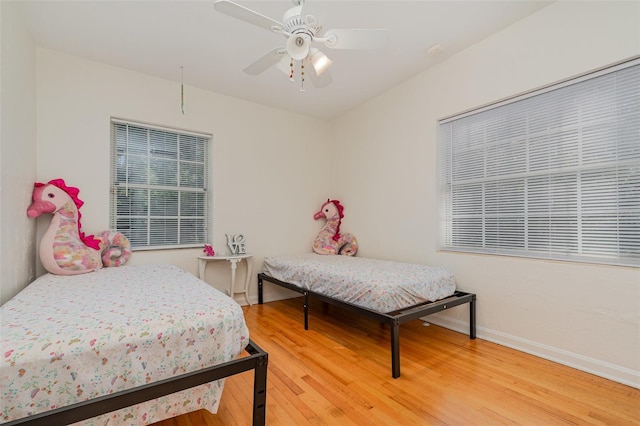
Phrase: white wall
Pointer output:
(17, 151)
(583, 315)
(267, 164)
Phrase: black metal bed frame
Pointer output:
(257, 360)
(394, 319)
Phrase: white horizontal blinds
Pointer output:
(160, 196)
(555, 174)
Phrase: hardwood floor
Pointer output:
(338, 373)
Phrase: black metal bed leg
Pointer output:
(260, 391)
(472, 317)
(260, 300)
(395, 349)
(306, 310)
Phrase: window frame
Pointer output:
(200, 147)
(446, 191)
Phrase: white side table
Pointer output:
(233, 262)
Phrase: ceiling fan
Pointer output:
(301, 32)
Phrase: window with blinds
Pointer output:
(551, 174)
(159, 179)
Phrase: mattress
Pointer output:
(66, 339)
(380, 285)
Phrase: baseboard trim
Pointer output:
(607, 370)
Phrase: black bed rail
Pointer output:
(394, 319)
(257, 361)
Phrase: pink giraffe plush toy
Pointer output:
(64, 248)
(329, 240)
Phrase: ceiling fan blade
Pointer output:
(319, 81)
(240, 12)
(356, 39)
(263, 63)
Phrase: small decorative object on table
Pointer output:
(208, 250)
(235, 242)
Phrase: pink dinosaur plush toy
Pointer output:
(329, 240)
(64, 249)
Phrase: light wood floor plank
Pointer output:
(338, 373)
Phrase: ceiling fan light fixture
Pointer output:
(320, 61)
(298, 46)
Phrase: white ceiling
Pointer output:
(160, 37)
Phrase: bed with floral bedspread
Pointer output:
(390, 292)
(68, 339)
(380, 285)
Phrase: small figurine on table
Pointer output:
(208, 250)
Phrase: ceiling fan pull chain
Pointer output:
(182, 89)
(302, 76)
(291, 68)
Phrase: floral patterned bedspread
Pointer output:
(66, 339)
(379, 285)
